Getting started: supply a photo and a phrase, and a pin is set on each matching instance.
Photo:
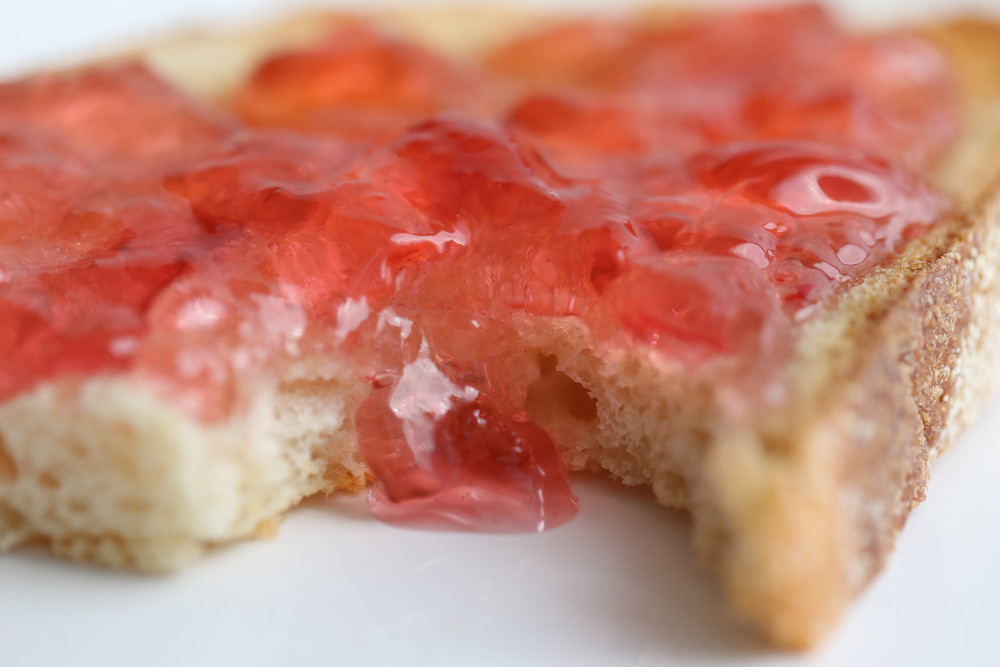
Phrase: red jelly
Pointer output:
(443, 457)
(356, 84)
(114, 114)
(788, 73)
(696, 190)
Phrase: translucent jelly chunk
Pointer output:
(460, 169)
(444, 458)
(76, 322)
(808, 179)
(772, 74)
(325, 223)
(579, 54)
(599, 137)
(357, 84)
(113, 112)
(695, 306)
(875, 99)
(267, 180)
(39, 184)
(826, 214)
(89, 239)
(527, 244)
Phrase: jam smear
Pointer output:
(695, 190)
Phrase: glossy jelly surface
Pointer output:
(698, 190)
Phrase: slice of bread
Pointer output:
(795, 508)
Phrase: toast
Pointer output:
(795, 509)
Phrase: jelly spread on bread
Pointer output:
(698, 189)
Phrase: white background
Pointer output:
(45, 30)
(617, 586)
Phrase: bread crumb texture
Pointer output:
(104, 470)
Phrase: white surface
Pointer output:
(33, 31)
(617, 586)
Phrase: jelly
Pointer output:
(357, 84)
(771, 74)
(445, 458)
(697, 190)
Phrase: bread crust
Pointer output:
(795, 510)
(798, 509)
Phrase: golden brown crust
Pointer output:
(797, 509)
(886, 380)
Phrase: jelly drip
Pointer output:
(445, 457)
